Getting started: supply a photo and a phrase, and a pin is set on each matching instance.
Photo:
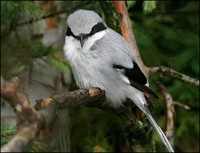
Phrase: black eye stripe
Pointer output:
(98, 27)
(69, 32)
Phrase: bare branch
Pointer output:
(174, 74)
(27, 117)
(181, 105)
(31, 122)
(169, 122)
(88, 97)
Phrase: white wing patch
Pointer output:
(122, 75)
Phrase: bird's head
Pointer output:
(83, 24)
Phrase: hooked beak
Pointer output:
(81, 39)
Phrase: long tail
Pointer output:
(158, 130)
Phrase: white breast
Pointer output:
(81, 58)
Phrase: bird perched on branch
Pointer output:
(100, 57)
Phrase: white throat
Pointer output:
(72, 46)
(91, 40)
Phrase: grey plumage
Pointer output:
(102, 58)
(86, 22)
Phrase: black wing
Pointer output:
(136, 78)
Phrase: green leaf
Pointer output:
(149, 6)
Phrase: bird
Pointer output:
(101, 57)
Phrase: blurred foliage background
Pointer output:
(167, 34)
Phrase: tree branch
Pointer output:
(169, 121)
(31, 122)
(186, 107)
(27, 117)
(128, 34)
(174, 74)
(85, 97)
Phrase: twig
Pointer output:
(181, 105)
(174, 74)
(169, 122)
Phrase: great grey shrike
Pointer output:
(100, 57)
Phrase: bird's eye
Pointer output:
(98, 27)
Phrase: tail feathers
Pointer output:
(140, 102)
(160, 132)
